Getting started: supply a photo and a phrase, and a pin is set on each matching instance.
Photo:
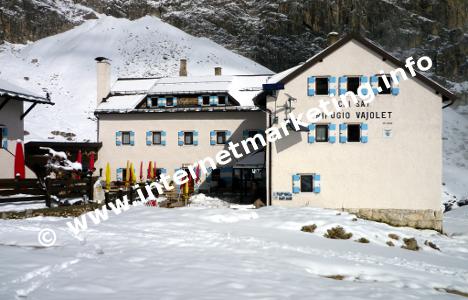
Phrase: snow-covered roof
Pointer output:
(12, 90)
(279, 76)
(121, 102)
(192, 84)
(127, 93)
(133, 85)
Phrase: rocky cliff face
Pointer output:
(275, 33)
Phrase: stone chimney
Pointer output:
(332, 38)
(218, 71)
(103, 78)
(183, 67)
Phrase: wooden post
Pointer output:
(48, 200)
(90, 188)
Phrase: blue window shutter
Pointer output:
(4, 140)
(200, 100)
(195, 138)
(395, 91)
(213, 100)
(149, 138)
(343, 85)
(364, 79)
(374, 79)
(163, 138)
(132, 138)
(228, 135)
(331, 133)
(311, 86)
(311, 135)
(118, 138)
(180, 135)
(343, 79)
(332, 79)
(364, 135)
(149, 102)
(375, 91)
(316, 183)
(296, 187)
(343, 133)
(175, 101)
(161, 102)
(212, 138)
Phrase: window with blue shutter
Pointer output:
(395, 86)
(4, 139)
(374, 82)
(311, 86)
(119, 176)
(364, 135)
(332, 86)
(149, 102)
(311, 136)
(118, 138)
(296, 187)
(180, 136)
(200, 100)
(195, 138)
(213, 100)
(316, 183)
(149, 138)
(161, 102)
(132, 138)
(343, 133)
(331, 133)
(364, 80)
(228, 135)
(343, 85)
(212, 137)
(163, 138)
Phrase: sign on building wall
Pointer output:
(282, 196)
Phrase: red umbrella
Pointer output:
(19, 161)
(197, 173)
(78, 157)
(91, 162)
(148, 177)
(141, 171)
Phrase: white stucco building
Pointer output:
(382, 160)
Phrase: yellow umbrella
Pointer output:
(133, 174)
(108, 177)
(127, 173)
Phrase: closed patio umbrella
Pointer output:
(141, 171)
(108, 177)
(91, 162)
(19, 161)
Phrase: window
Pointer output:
(221, 100)
(206, 100)
(384, 88)
(188, 138)
(221, 137)
(307, 183)
(321, 133)
(157, 138)
(321, 85)
(125, 137)
(252, 133)
(169, 101)
(353, 84)
(354, 133)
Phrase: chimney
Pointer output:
(332, 38)
(183, 67)
(103, 78)
(218, 71)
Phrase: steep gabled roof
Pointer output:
(295, 71)
(21, 94)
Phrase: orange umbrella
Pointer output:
(19, 161)
(141, 171)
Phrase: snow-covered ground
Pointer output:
(64, 66)
(221, 253)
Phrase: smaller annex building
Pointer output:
(174, 122)
(12, 114)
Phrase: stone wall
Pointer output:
(420, 219)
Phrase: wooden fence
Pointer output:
(9, 188)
